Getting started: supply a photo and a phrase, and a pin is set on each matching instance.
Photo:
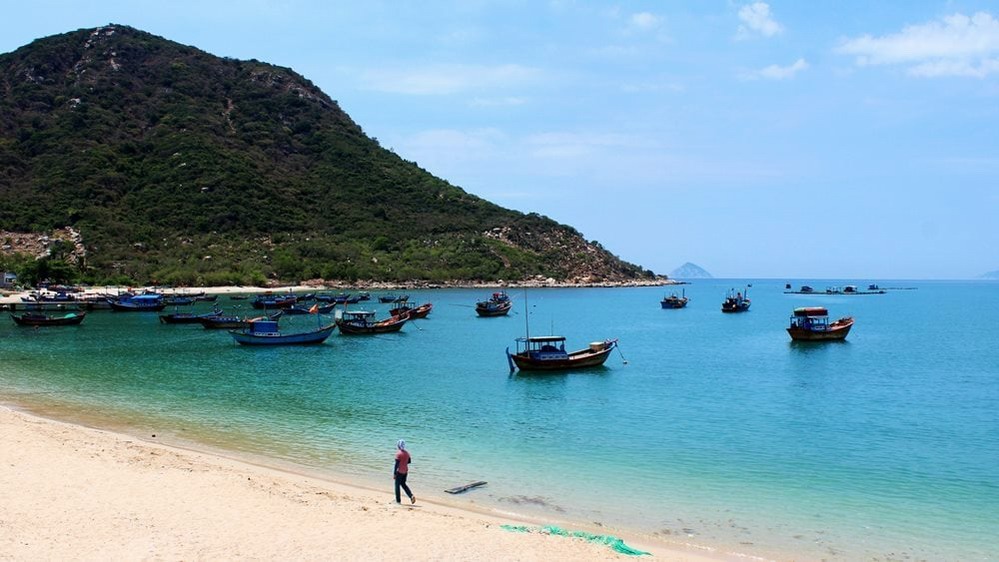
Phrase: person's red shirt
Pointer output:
(402, 459)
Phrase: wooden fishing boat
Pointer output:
(266, 332)
(266, 301)
(188, 317)
(222, 322)
(811, 323)
(499, 304)
(39, 319)
(547, 353)
(674, 301)
(145, 302)
(392, 299)
(413, 311)
(736, 301)
(362, 322)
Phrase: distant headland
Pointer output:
(690, 271)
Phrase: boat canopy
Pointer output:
(811, 311)
(359, 313)
(264, 327)
(542, 339)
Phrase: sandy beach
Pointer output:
(73, 492)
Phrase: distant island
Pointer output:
(991, 275)
(690, 271)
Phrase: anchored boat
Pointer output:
(812, 324)
(736, 301)
(40, 319)
(547, 353)
(674, 301)
(266, 332)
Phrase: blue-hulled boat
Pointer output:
(146, 302)
(274, 301)
(266, 332)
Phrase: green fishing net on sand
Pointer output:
(611, 541)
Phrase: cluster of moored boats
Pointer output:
(536, 353)
(810, 323)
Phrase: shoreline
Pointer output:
(14, 297)
(80, 491)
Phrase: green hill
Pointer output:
(177, 166)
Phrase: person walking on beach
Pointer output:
(401, 470)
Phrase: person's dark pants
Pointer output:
(400, 482)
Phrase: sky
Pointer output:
(811, 140)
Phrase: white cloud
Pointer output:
(956, 45)
(645, 21)
(447, 79)
(575, 145)
(756, 18)
(776, 72)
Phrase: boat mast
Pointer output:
(527, 317)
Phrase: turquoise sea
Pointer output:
(716, 431)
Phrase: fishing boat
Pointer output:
(674, 301)
(39, 319)
(413, 311)
(362, 322)
(266, 301)
(811, 323)
(499, 304)
(187, 317)
(264, 331)
(391, 299)
(231, 322)
(736, 301)
(547, 353)
(145, 302)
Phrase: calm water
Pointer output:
(717, 431)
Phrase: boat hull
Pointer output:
(671, 303)
(303, 338)
(384, 327)
(143, 307)
(501, 309)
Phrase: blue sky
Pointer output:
(780, 139)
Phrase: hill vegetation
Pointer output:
(179, 167)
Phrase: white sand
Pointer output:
(72, 492)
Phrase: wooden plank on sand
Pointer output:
(466, 487)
